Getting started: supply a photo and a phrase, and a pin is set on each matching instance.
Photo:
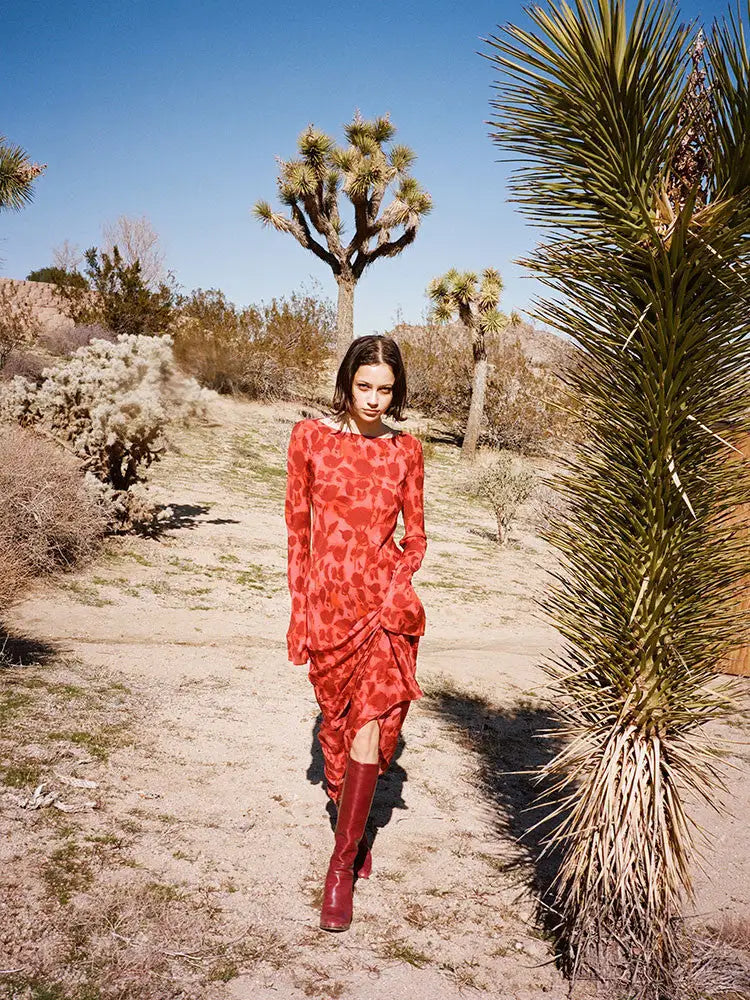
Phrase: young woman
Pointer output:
(355, 616)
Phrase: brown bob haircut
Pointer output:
(371, 350)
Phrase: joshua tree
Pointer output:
(639, 170)
(364, 170)
(454, 293)
(17, 175)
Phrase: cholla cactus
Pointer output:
(109, 404)
(504, 486)
(364, 170)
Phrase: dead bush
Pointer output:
(48, 517)
(65, 340)
(28, 363)
(272, 351)
(503, 486)
(18, 326)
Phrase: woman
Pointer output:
(355, 616)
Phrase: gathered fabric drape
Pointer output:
(355, 616)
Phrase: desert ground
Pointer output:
(151, 697)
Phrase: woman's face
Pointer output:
(372, 392)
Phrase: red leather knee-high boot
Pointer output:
(354, 808)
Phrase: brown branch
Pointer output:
(389, 249)
(375, 202)
(323, 225)
(301, 232)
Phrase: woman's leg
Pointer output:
(365, 750)
(354, 808)
(366, 743)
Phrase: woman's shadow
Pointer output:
(388, 794)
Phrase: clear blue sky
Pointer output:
(176, 110)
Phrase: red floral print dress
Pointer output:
(355, 615)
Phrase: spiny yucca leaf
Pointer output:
(383, 130)
(344, 159)
(439, 288)
(464, 288)
(263, 211)
(315, 148)
(299, 177)
(17, 175)
(402, 158)
(650, 279)
(490, 289)
(492, 321)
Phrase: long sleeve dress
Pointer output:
(355, 616)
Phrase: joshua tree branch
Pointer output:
(389, 249)
(299, 228)
(375, 202)
(323, 224)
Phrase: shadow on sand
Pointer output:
(511, 744)
(174, 516)
(17, 650)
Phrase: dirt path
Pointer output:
(210, 846)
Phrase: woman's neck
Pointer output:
(350, 422)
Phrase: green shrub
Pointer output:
(504, 486)
(117, 296)
(58, 276)
(274, 351)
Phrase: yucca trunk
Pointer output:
(344, 315)
(650, 266)
(476, 408)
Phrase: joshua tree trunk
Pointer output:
(344, 316)
(502, 532)
(476, 407)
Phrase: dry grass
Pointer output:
(274, 351)
(48, 519)
(521, 406)
(80, 919)
(135, 939)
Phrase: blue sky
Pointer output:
(176, 110)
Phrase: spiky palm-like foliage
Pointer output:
(460, 293)
(638, 163)
(364, 170)
(17, 175)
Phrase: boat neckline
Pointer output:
(352, 434)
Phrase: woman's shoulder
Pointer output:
(410, 441)
(305, 425)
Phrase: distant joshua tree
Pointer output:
(364, 170)
(454, 293)
(17, 175)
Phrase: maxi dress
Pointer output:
(355, 616)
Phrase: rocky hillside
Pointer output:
(42, 299)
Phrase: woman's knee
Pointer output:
(366, 740)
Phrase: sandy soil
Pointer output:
(211, 804)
